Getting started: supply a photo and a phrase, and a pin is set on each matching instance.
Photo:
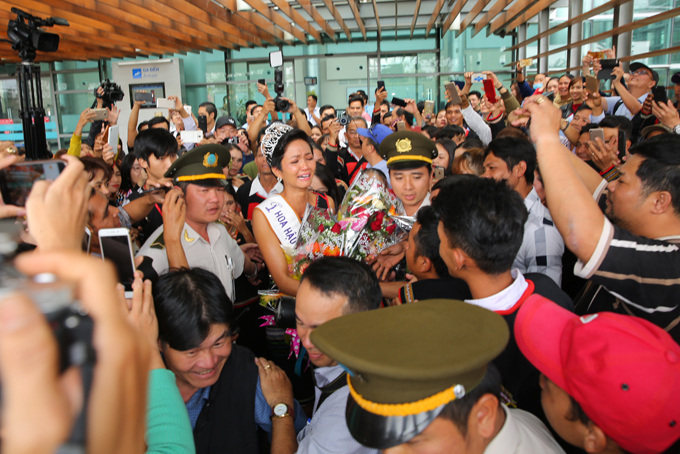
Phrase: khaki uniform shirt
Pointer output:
(523, 433)
(222, 256)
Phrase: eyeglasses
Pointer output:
(640, 72)
(352, 133)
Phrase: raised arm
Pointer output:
(573, 209)
(630, 101)
(256, 125)
(132, 123)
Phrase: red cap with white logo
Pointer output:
(624, 371)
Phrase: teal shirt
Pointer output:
(168, 430)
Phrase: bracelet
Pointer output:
(254, 274)
(332, 145)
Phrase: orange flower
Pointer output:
(317, 248)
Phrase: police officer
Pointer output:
(432, 388)
(189, 236)
(409, 158)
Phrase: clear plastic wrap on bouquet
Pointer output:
(368, 221)
(373, 215)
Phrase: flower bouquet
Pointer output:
(367, 222)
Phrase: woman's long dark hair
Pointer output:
(125, 168)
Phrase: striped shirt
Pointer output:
(542, 246)
(633, 275)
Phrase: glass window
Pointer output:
(204, 67)
(11, 127)
(77, 81)
(69, 108)
(66, 65)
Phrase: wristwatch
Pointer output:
(281, 411)
(677, 129)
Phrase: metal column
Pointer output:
(543, 43)
(623, 48)
(576, 33)
(521, 37)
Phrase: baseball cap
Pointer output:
(624, 371)
(225, 120)
(377, 132)
(675, 78)
(637, 65)
(653, 128)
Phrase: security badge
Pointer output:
(403, 145)
(210, 160)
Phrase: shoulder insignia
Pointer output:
(159, 242)
(187, 238)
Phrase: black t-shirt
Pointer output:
(246, 201)
(448, 287)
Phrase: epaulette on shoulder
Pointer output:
(159, 242)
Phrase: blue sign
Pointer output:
(137, 73)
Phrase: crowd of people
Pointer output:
(530, 308)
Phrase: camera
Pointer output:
(231, 140)
(284, 317)
(280, 104)
(344, 120)
(112, 92)
(26, 36)
(70, 323)
(276, 61)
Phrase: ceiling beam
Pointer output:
(276, 18)
(298, 19)
(471, 15)
(377, 18)
(578, 19)
(264, 24)
(529, 14)
(509, 15)
(614, 31)
(490, 15)
(452, 15)
(314, 14)
(336, 14)
(415, 17)
(357, 17)
(433, 18)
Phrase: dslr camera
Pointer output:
(344, 120)
(276, 62)
(112, 92)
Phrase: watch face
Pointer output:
(280, 409)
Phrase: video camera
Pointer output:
(276, 61)
(27, 38)
(112, 92)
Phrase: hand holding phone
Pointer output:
(478, 77)
(100, 114)
(399, 102)
(113, 138)
(191, 136)
(490, 91)
(592, 84)
(16, 181)
(165, 103)
(452, 90)
(116, 246)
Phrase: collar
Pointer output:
(256, 188)
(325, 375)
(426, 202)
(506, 298)
(191, 236)
(200, 395)
(349, 150)
(670, 239)
(507, 439)
(531, 199)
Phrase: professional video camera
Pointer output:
(27, 38)
(276, 61)
(112, 92)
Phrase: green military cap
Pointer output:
(407, 150)
(200, 165)
(405, 363)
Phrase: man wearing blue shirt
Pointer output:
(217, 378)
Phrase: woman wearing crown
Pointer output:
(276, 221)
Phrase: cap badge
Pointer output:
(210, 160)
(403, 145)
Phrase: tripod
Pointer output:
(32, 112)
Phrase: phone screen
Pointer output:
(660, 94)
(203, 124)
(117, 249)
(16, 181)
(381, 84)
